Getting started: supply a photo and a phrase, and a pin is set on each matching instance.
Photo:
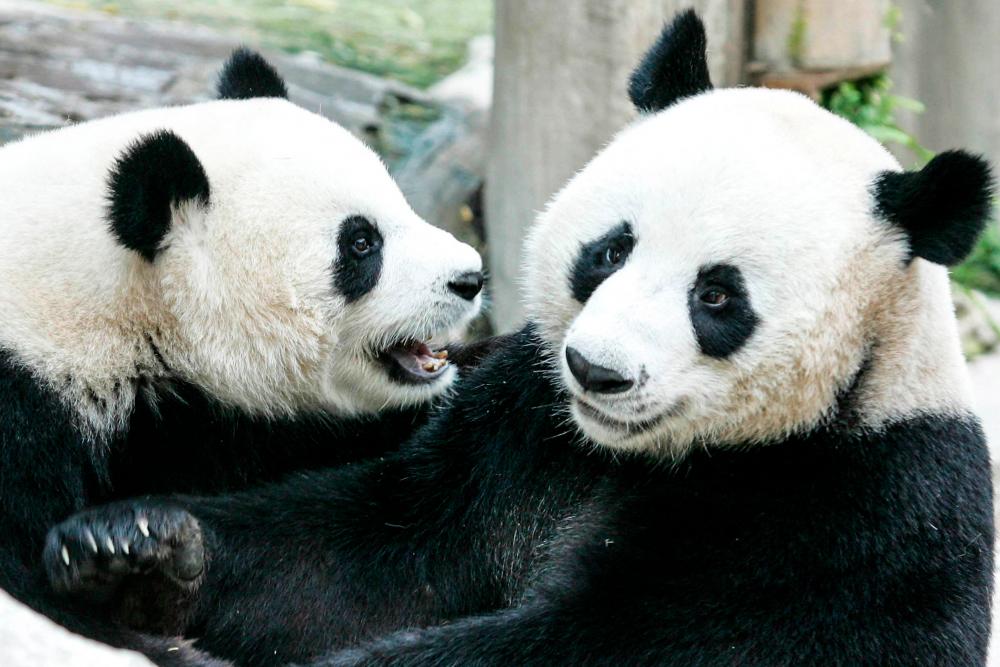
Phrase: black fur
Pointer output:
(247, 75)
(357, 272)
(942, 208)
(153, 175)
(721, 330)
(675, 67)
(493, 545)
(181, 441)
(593, 265)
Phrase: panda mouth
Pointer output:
(625, 427)
(414, 362)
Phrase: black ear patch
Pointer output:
(153, 174)
(943, 208)
(675, 67)
(247, 75)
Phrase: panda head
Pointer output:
(741, 265)
(285, 268)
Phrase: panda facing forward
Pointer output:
(203, 297)
(734, 432)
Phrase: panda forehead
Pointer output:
(718, 173)
(273, 135)
(297, 159)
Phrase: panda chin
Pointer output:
(610, 431)
(414, 362)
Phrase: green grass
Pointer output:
(871, 105)
(982, 270)
(414, 41)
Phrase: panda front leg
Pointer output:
(153, 546)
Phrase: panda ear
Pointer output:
(675, 67)
(148, 180)
(247, 75)
(942, 208)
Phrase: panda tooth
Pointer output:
(111, 545)
(65, 555)
(91, 542)
(143, 523)
(443, 354)
(430, 367)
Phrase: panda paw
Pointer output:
(93, 551)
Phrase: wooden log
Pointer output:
(821, 35)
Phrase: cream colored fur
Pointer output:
(241, 299)
(769, 182)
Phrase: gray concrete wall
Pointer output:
(949, 60)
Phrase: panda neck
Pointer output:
(915, 366)
(93, 350)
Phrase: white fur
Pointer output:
(241, 298)
(769, 182)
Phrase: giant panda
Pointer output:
(735, 430)
(204, 297)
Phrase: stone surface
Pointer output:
(30, 640)
(985, 373)
(978, 321)
(444, 172)
(59, 66)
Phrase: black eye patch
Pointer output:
(359, 258)
(599, 259)
(720, 310)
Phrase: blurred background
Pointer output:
(483, 108)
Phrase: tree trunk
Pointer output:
(559, 95)
(947, 59)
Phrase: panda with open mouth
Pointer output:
(204, 297)
(735, 431)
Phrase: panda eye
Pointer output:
(358, 265)
(361, 245)
(714, 297)
(616, 251)
(600, 259)
(613, 256)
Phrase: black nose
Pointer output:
(597, 379)
(467, 285)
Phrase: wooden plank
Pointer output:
(821, 35)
